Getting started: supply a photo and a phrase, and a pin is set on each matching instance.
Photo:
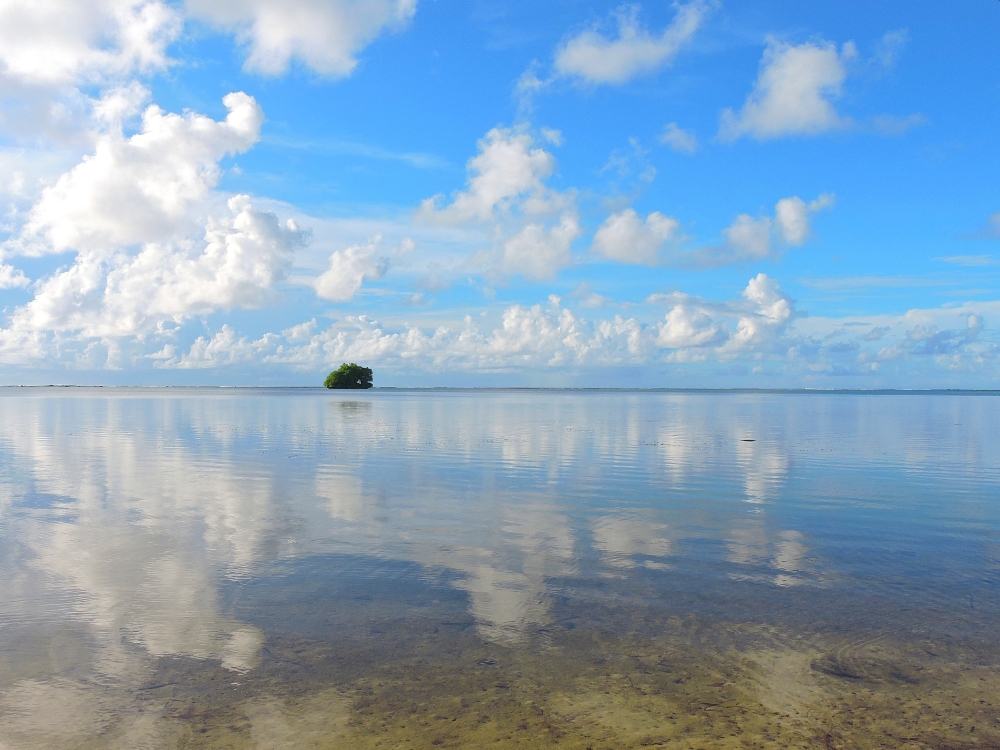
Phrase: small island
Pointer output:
(349, 376)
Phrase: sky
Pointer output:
(712, 193)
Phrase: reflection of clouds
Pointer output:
(162, 496)
(505, 575)
(504, 603)
(144, 520)
(621, 539)
(790, 552)
(749, 545)
(63, 713)
(145, 586)
(677, 450)
(360, 409)
(7, 495)
(508, 583)
(685, 438)
(789, 557)
(54, 711)
(240, 652)
(765, 468)
(343, 494)
(115, 470)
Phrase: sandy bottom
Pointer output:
(670, 682)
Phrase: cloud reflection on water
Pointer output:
(161, 497)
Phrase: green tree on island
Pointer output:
(349, 376)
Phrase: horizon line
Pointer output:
(662, 389)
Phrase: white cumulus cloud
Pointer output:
(791, 217)
(224, 348)
(762, 321)
(751, 238)
(550, 335)
(348, 269)
(240, 260)
(593, 57)
(139, 189)
(539, 253)
(69, 42)
(11, 278)
(793, 93)
(687, 326)
(532, 226)
(508, 172)
(325, 35)
(627, 238)
(695, 327)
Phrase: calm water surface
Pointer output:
(308, 569)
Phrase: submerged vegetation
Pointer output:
(349, 375)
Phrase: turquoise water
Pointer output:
(305, 568)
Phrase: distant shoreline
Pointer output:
(516, 389)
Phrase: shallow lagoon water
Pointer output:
(307, 569)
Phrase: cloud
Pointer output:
(896, 125)
(588, 297)
(54, 53)
(972, 261)
(324, 35)
(791, 217)
(528, 84)
(680, 140)
(536, 336)
(761, 238)
(870, 282)
(992, 230)
(224, 348)
(72, 42)
(532, 226)
(747, 238)
(141, 188)
(770, 311)
(627, 238)
(119, 103)
(348, 269)
(592, 57)
(12, 278)
(539, 253)
(550, 336)
(555, 137)
(335, 146)
(695, 327)
(623, 539)
(687, 326)
(928, 340)
(300, 332)
(793, 92)
(890, 47)
(242, 257)
(507, 173)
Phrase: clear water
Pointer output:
(307, 569)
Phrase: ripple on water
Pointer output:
(504, 569)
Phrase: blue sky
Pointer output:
(483, 193)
